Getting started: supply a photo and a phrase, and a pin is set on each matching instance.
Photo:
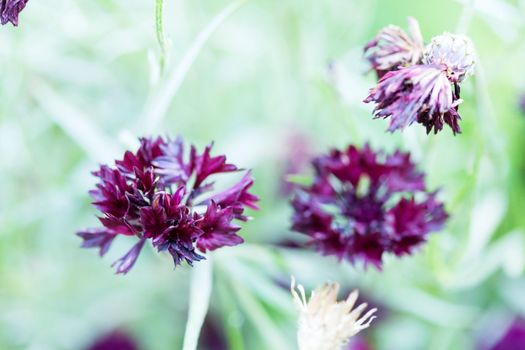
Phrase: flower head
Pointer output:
(325, 323)
(363, 204)
(163, 194)
(10, 9)
(419, 93)
(454, 52)
(393, 48)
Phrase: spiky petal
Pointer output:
(10, 10)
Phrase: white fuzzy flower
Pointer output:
(456, 52)
(325, 323)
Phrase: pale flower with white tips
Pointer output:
(325, 323)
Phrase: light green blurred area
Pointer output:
(78, 79)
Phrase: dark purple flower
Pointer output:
(115, 340)
(393, 48)
(10, 9)
(362, 204)
(162, 194)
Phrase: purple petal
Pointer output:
(97, 237)
(124, 264)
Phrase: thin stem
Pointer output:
(159, 104)
(159, 30)
(200, 292)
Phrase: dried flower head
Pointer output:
(393, 48)
(163, 194)
(10, 9)
(363, 204)
(419, 93)
(325, 323)
(454, 52)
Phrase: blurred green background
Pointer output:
(80, 80)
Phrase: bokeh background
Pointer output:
(272, 81)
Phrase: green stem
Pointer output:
(200, 292)
(159, 30)
(158, 105)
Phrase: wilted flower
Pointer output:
(419, 93)
(163, 194)
(115, 340)
(325, 323)
(363, 204)
(454, 52)
(10, 9)
(427, 92)
(393, 48)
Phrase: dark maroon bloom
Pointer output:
(162, 194)
(363, 204)
(10, 9)
(393, 48)
(115, 340)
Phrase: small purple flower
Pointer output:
(362, 204)
(10, 9)
(162, 194)
(393, 48)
